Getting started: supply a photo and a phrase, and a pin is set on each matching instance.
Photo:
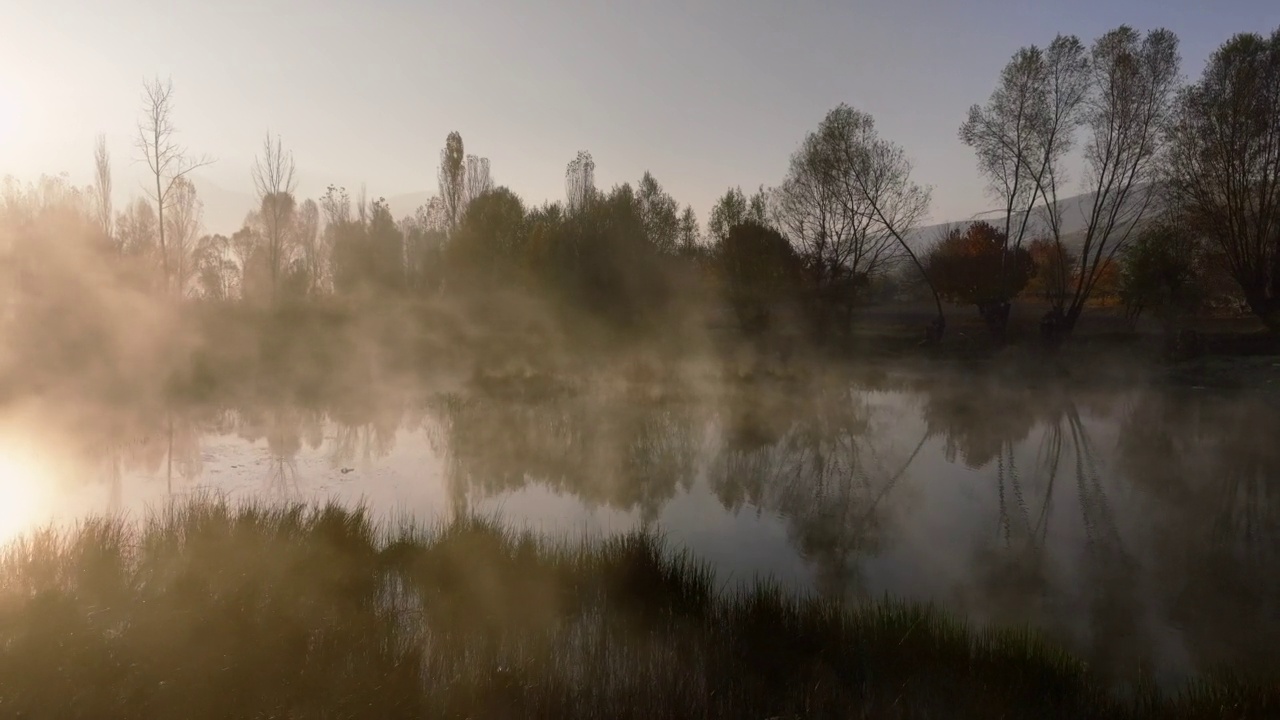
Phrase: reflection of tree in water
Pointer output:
(607, 449)
(1212, 464)
(281, 425)
(164, 444)
(820, 460)
(989, 426)
(365, 430)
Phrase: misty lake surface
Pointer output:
(1141, 526)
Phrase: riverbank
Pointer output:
(208, 610)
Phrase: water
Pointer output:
(1139, 525)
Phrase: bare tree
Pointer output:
(478, 179)
(1225, 165)
(452, 178)
(1022, 135)
(166, 160)
(102, 186)
(580, 181)
(273, 177)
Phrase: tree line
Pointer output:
(1180, 183)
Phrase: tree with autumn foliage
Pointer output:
(1055, 270)
(975, 265)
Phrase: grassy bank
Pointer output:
(214, 611)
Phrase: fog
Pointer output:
(1063, 424)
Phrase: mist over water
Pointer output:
(1138, 524)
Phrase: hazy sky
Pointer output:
(703, 94)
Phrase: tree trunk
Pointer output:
(995, 314)
(1055, 326)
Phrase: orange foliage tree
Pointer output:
(976, 266)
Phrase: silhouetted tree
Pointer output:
(1022, 135)
(734, 208)
(452, 179)
(273, 177)
(580, 181)
(490, 241)
(847, 204)
(761, 272)
(1126, 115)
(689, 235)
(166, 160)
(658, 212)
(1225, 175)
(478, 180)
(1162, 270)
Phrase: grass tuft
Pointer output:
(208, 609)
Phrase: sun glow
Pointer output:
(23, 487)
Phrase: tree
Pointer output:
(452, 179)
(1225, 168)
(166, 160)
(977, 265)
(689, 236)
(215, 270)
(580, 181)
(273, 177)
(659, 213)
(1134, 81)
(1022, 135)
(307, 237)
(490, 240)
(183, 229)
(102, 187)
(876, 175)
(478, 179)
(1055, 269)
(847, 203)
(734, 208)
(761, 272)
(1163, 270)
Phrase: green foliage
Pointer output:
(1163, 270)
(761, 273)
(735, 208)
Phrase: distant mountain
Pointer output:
(1074, 212)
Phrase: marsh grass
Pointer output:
(212, 610)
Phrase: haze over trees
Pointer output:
(1180, 187)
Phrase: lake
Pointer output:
(1139, 524)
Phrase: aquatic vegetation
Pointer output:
(208, 609)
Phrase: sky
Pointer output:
(706, 95)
